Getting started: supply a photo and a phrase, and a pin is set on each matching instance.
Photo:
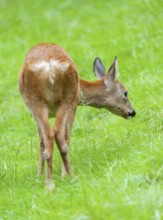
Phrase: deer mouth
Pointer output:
(123, 114)
(117, 111)
(128, 117)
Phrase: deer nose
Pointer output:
(132, 114)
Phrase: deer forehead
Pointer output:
(120, 86)
(50, 65)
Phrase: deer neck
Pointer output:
(90, 93)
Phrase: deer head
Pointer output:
(113, 96)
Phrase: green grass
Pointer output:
(118, 164)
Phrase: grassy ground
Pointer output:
(118, 164)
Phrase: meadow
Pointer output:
(118, 164)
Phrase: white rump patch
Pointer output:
(49, 66)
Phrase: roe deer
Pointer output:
(50, 86)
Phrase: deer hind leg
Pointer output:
(46, 153)
(63, 124)
(41, 158)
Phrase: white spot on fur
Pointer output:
(48, 68)
(64, 67)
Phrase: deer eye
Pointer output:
(125, 94)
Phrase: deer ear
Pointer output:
(98, 68)
(113, 71)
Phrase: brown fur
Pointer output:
(50, 87)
